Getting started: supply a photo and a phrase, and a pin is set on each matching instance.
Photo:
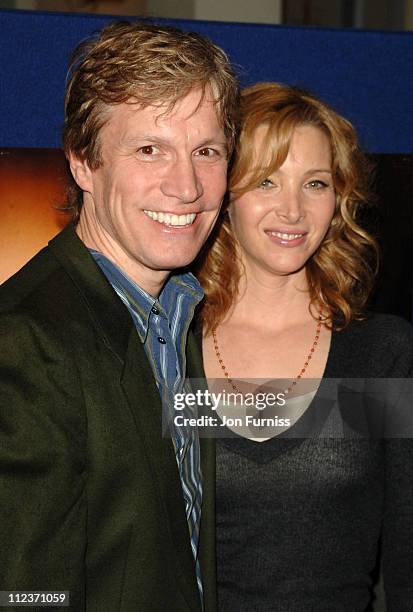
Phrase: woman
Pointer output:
(300, 513)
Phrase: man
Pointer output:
(94, 331)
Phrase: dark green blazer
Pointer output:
(91, 500)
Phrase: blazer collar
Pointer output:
(106, 310)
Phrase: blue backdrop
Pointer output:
(366, 75)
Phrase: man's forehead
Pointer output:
(189, 102)
(193, 119)
(195, 106)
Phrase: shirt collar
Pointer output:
(140, 301)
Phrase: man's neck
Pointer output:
(152, 281)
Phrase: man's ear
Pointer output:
(81, 173)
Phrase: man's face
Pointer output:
(154, 200)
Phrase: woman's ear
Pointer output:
(81, 172)
(230, 208)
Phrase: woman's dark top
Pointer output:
(299, 520)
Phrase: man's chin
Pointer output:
(177, 266)
(174, 263)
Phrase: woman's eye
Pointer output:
(266, 184)
(317, 184)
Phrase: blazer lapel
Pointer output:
(144, 400)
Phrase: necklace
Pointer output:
(293, 384)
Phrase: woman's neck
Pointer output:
(271, 300)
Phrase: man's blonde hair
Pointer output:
(146, 64)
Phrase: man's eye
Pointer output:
(147, 150)
(266, 184)
(207, 152)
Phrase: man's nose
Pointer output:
(182, 182)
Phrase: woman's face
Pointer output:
(281, 223)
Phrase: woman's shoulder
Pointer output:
(383, 326)
(380, 344)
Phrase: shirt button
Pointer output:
(161, 340)
(154, 310)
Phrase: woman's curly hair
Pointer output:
(341, 272)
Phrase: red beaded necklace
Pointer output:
(293, 384)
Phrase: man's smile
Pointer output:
(171, 219)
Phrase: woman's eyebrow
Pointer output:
(327, 170)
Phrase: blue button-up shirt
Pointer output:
(162, 325)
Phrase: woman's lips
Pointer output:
(286, 238)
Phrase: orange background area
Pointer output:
(32, 186)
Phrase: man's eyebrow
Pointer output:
(137, 139)
(212, 142)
